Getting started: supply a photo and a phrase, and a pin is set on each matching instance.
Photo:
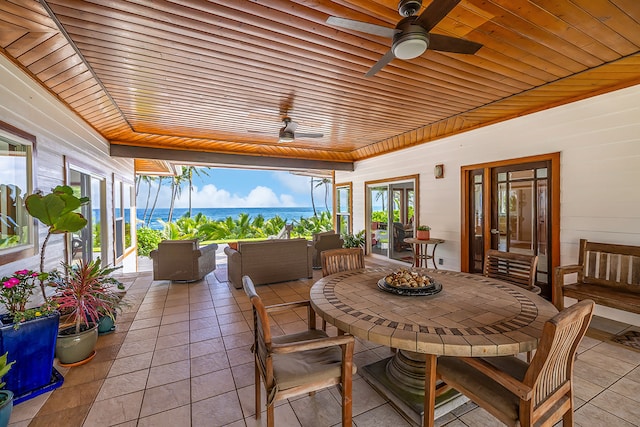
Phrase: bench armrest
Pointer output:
(557, 295)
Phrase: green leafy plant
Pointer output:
(4, 368)
(148, 240)
(424, 228)
(353, 240)
(56, 211)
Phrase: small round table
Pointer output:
(420, 254)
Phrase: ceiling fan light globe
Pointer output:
(409, 49)
(286, 136)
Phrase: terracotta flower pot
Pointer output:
(423, 234)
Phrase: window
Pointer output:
(343, 208)
(17, 238)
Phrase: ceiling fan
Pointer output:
(411, 36)
(288, 133)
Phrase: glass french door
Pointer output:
(509, 208)
(86, 244)
(392, 209)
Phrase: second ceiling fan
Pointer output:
(411, 36)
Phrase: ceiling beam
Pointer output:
(207, 158)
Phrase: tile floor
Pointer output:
(180, 357)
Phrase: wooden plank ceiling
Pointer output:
(219, 76)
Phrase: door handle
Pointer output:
(495, 231)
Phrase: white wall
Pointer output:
(599, 142)
(25, 105)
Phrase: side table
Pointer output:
(420, 253)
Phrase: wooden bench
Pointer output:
(607, 274)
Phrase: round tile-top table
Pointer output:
(472, 316)
(420, 253)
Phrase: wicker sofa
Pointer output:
(269, 261)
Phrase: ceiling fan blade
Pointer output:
(388, 57)
(452, 44)
(363, 27)
(434, 13)
(309, 135)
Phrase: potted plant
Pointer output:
(6, 396)
(29, 335)
(353, 240)
(423, 232)
(84, 296)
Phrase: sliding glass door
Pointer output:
(86, 244)
(392, 208)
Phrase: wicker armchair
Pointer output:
(183, 260)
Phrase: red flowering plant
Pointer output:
(15, 291)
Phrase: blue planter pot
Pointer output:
(106, 325)
(6, 406)
(32, 346)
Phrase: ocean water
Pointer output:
(288, 214)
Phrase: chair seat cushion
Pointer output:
(294, 369)
(459, 374)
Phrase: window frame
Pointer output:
(338, 214)
(32, 248)
(122, 183)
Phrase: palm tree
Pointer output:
(176, 191)
(188, 172)
(155, 201)
(325, 182)
(148, 180)
(313, 203)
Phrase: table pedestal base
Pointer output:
(401, 379)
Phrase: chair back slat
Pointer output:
(262, 328)
(338, 260)
(552, 365)
(519, 269)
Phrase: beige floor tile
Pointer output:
(628, 388)
(605, 362)
(234, 328)
(142, 334)
(480, 417)
(204, 334)
(170, 355)
(367, 399)
(123, 384)
(175, 318)
(145, 323)
(211, 384)
(203, 323)
(216, 411)
(115, 410)
(243, 374)
(283, 416)
(166, 397)
(172, 418)
(240, 356)
(584, 389)
(591, 416)
(618, 404)
(174, 340)
(321, 409)
(209, 363)
(202, 348)
(173, 328)
(244, 339)
(382, 416)
(175, 309)
(169, 373)
(128, 364)
(131, 347)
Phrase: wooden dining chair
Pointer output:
(338, 260)
(519, 269)
(298, 363)
(522, 394)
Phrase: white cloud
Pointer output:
(210, 196)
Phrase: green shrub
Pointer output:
(148, 240)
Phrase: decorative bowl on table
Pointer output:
(411, 283)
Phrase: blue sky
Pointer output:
(237, 188)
